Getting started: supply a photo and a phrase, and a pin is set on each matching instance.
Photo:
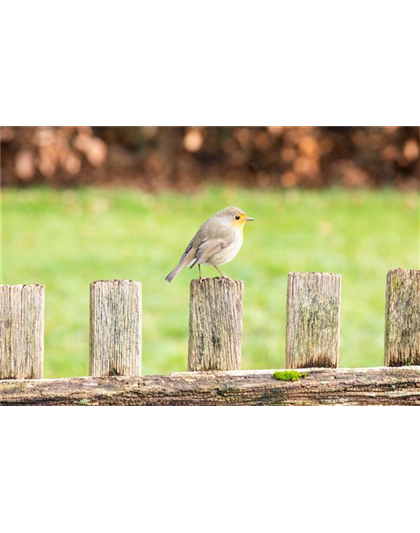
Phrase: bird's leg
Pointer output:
(199, 272)
(219, 271)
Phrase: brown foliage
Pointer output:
(185, 157)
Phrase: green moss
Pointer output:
(396, 282)
(289, 375)
(85, 401)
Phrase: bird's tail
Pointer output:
(175, 271)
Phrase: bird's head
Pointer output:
(236, 217)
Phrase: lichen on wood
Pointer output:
(21, 331)
(402, 318)
(115, 328)
(343, 386)
(313, 320)
(215, 326)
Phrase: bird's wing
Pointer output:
(187, 250)
(208, 247)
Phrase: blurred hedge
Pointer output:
(185, 157)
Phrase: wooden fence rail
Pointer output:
(341, 386)
(214, 349)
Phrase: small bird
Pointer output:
(216, 242)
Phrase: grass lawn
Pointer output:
(66, 239)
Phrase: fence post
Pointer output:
(21, 331)
(115, 328)
(402, 318)
(215, 333)
(313, 320)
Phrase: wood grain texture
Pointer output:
(313, 320)
(363, 386)
(115, 328)
(215, 331)
(402, 318)
(22, 309)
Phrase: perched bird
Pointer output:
(216, 242)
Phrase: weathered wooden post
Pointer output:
(115, 328)
(402, 318)
(21, 331)
(215, 336)
(313, 320)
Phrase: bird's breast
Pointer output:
(227, 254)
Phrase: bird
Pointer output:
(216, 242)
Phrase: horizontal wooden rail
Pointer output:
(344, 386)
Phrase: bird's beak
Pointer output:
(249, 219)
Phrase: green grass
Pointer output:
(66, 239)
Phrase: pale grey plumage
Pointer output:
(216, 242)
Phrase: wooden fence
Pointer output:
(214, 349)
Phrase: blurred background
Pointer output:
(83, 203)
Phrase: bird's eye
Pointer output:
(237, 217)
